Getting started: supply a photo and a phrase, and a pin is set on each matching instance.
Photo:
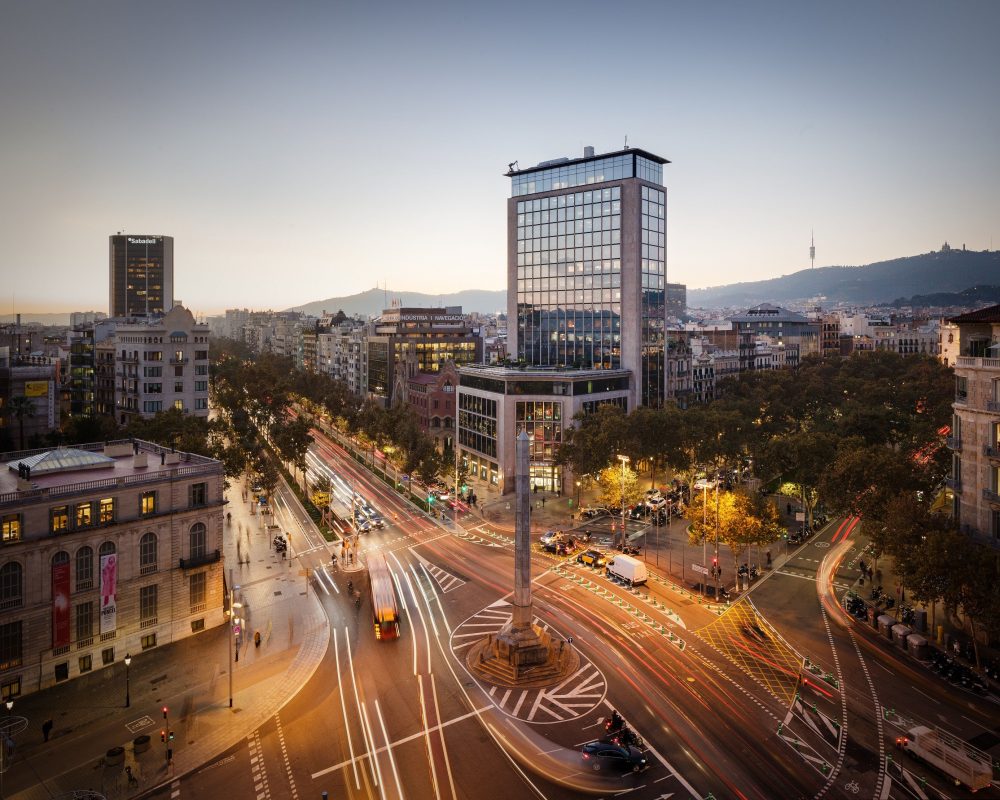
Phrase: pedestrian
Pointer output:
(536, 488)
(788, 508)
(46, 729)
(768, 559)
(559, 492)
(256, 639)
(543, 502)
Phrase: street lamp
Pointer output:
(128, 698)
(578, 496)
(10, 705)
(232, 622)
(624, 460)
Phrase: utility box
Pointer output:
(920, 620)
(899, 634)
(885, 623)
(916, 646)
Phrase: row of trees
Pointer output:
(862, 435)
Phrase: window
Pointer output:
(107, 510)
(147, 604)
(62, 671)
(178, 387)
(84, 623)
(10, 689)
(11, 528)
(59, 519)
(179, 356)
(178, 372)
(148, 641)
(197, 494)
(106, 549)
(201, 386)
(84, 569)
(108, 656)
(179, 405)
(198, 540)
(197, 625)
(147, 504)
(147, 553)
(60, 558)
(201, 369)
(201, 403)
(10, 645)
(201, 355)
(152, 372)
(83, 515)
(197, 591)
(154, 355)
(152, 406)
(11, 585)
(86, 664)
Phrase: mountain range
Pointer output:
(374, 301)
(946, 270)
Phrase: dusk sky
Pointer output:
(298, 151)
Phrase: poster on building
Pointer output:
(36, 388)
(109, 593)
(60, 605)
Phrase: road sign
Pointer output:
(700, 568)
(800, 516)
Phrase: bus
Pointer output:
(385, 611)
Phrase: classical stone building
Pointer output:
(105, 550)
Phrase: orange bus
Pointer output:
(385, 612)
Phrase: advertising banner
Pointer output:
(60, 605)
(109, 593)
(36, 388)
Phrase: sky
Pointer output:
(304, 150)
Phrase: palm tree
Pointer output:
(20, 408)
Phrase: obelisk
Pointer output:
(522, 653)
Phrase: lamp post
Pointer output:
(128, 697)
(232, 622)
(578, 496)
(718, 567)
(704, 525)
(624, 460)
(10, 705)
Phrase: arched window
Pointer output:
(198, 540)
(11, 585)
(147, 553)
(62, 557)
(106, 549)
(84, 568)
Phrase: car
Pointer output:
(566, 545)
(592, 512)
(592, 558)
(548, 536)
(656, 502)
(363, 526)
(612, 757)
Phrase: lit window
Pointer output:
(59, 519)
(11, 528)
(107, 510)
(83, 515)
(147, 503)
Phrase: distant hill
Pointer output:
(43, 319)
(374, 301)
(976, 296)
(881, 282)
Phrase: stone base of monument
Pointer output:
(522, 657)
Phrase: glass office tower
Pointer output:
(141, 279)
(587, 266)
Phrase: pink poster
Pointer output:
(109, 593)
(60, 605)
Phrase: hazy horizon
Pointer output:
(315, 150)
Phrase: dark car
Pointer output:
(592, 512)
(612, 757)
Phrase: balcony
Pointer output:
(179, 360)
(954, 443)
(993, 405)
(991, 497)
(955, 484)
(198, 561)
(991, 451)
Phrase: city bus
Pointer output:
(385, 611)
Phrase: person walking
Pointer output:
(46, 729)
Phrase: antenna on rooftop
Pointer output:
(812, 250)
(626, 141)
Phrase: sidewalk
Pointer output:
(190, 677)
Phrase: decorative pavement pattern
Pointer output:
(574, 697)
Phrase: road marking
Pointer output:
(404, 740)
(284, 755)
(258, 772)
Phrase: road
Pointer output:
(720, 700)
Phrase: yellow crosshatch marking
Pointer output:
(746, 639)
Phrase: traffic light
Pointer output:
(430, 499)
(163, 736)
(164, 712)
(170, 736)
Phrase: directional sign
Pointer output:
(700, 568)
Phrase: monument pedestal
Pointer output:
(522, 656)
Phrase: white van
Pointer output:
(631, 570)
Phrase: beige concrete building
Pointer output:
(975, 439)
(104, 550)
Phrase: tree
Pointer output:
(610, 479)
(594, 440)
(20, 408)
